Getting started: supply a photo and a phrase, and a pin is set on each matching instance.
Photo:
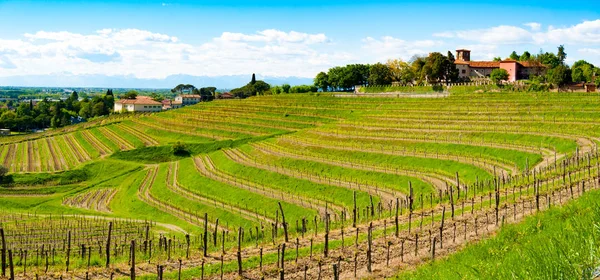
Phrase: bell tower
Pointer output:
(463, 55)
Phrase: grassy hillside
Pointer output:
(335, 168)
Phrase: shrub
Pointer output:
(180, 149)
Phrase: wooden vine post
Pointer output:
(354, 211)
(11, 265)
(370, 247)
(110, 224)
(282, 263)
(205, 236)
(239, 252)
(68, 249)
(284, 223)
(132, 257)
(396, 218)
(3, 252)
(326, 247)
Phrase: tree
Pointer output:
(514, 56)
(132, 94)
(285, 88)
(526, 56)
(498, 75)
(401, 71)
(497, 58)
(99, 109)
(180, 149)
(261, 86)
(379, 75)
(109, 92)
(451, 70)
(322, 81)
(253, 80)
(86, 110)
(582, 71)
(560, 76)
(3, 172)
(561, 54)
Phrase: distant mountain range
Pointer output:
(102, 81)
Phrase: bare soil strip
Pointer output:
(122, 143)
(437, 181)
(244, 159)
(99, 146)
(175, 187)
(148, 141)
(485, 164)
(145, 195)
(205, 166)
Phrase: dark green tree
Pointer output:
(561, 54)
(498, 75)
(322, 81)
(514, 56)
(253, 80)
(379, 75)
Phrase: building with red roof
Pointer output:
(139, 104)
(517, 70)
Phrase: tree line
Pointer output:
(47, 113)
(434, 68)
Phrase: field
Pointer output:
(299, 186)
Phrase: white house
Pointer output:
(188, 99)
(139, 104)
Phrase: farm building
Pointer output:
(139, 104)
(4, 131)
(517, 70)
(188, 99)
(168, 104)
(226, 95)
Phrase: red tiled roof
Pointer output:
(140, 100)
(461, 62)
(531, 64)
(484, 64)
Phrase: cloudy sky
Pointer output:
(155, 39)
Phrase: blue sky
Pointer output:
(154, 39)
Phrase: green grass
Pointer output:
(165, 153)
(336, 195)
(561, 243)
(190, 179)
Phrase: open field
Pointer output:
(304, 186)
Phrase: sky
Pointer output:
(155, 39)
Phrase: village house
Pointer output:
(139, 104)
(517, 70)
(188, 99)
(168, 104)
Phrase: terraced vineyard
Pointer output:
(293, 186)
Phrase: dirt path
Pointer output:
(207, 168)
(122, 143)
(175, 187)
(145, 195)
(437, 181)
(146, 139)
(485, 164)
(244, 159)
(99, 146)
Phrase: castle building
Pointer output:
(517, 70)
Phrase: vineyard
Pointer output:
(290, 186)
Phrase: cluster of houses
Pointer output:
(147, 104)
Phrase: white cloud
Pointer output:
(146, 54)
(272, 35)
(503, 34)
(586, 32)
(534, 26)
(389, 47)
